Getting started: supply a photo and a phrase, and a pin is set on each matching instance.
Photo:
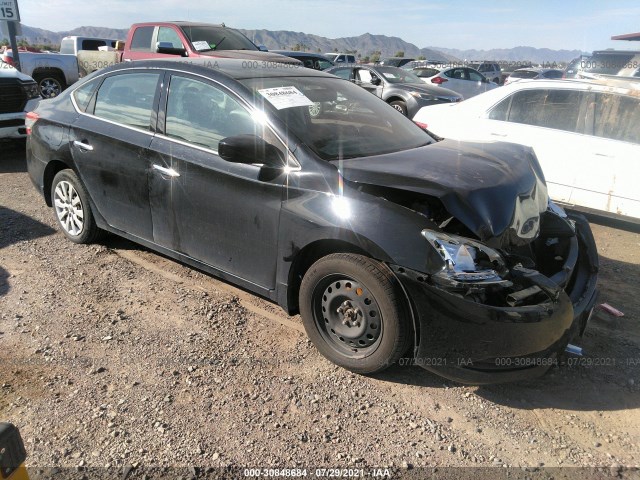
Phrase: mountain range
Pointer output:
(364, 45)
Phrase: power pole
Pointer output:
(10, 14)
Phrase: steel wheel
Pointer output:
(347, 316)
(355, 312)
(69, 208)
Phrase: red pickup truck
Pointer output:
(180, 39)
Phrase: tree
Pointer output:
(421, 57)
(399, 53)
(375, 57)
(366, 59)
(5, 41)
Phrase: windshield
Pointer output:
(339, 120)
(398, 75)
(205, 38)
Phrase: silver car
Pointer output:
(466, 81)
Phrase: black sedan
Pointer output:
(386, 241)
(400, 88)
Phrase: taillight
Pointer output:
(423, 126)
(6, 58)
(438, 80)
(30, 120)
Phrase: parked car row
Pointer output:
(584, 132)
(400, 88)
(386, 240)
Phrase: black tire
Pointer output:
(400, 106)
(72, 208)
(51, 84)
(372, 331)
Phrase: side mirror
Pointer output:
(375, 81)
(169, 49)
(250, 149)
(263, 48)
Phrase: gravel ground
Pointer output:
(113, 356)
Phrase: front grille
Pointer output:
(13, 98)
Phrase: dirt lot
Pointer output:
(113, 356)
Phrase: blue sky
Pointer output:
(463, 24)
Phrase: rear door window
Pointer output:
(557, 109)
(128, 99)
(141, 40)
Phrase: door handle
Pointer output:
(499, 134)
(83, 146)
(170, 172)
(603, 155)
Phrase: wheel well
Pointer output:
(396, 99)
(50, 72)
(50, 171)
(307, 257)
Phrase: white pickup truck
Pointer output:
(53, 72)
(18, 95)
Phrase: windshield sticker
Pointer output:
(201, 45)
(389, 75)
(285, 97)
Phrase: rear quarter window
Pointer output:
(557, 109)
(82, 95)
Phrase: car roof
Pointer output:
(180, 23)
(537, 69)
(235, 68)
(596, 84)
(293, 52)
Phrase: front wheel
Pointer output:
(354, 312)
(71, 205)
(400, 106)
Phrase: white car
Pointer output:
(464, 80)
(18, 95)
(585, 133)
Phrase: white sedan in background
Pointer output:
(466, 81)
(585, 133)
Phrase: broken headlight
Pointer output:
(467, 262)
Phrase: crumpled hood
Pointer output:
(496, 189)
(258, 55)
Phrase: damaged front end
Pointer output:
(503, 314)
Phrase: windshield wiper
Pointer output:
(218, 44)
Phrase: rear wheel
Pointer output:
(400, 106)
(51, 84)
(354, 312)
(71, 205)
